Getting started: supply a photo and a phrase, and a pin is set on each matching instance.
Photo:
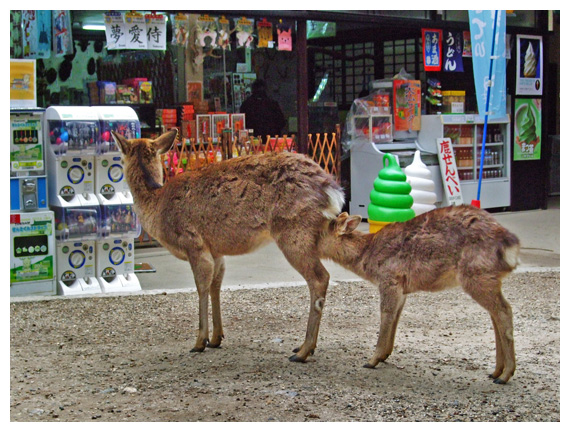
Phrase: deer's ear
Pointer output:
(121, 141)
(163, 143)
(346, 224)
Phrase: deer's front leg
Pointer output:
(391, 305)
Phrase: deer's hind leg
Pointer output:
(218, 332)
(391, 306)
(486, 290)
(203, 267)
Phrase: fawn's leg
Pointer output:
(486, 290)
(218, 333)
(391, 305)
(202, 264)
(310, 267)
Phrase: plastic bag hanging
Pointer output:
(224, 33)
(264, 34)
(284, 36)
(206, 32)
(180, 29)
(244, 32)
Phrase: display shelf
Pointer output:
(466, 134)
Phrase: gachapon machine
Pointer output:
(119, 223)
(72, 136)
(76, 231)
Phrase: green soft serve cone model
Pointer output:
(390, 200)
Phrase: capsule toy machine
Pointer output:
(76, 232)
(119, 223)
(116, 249)
(72, 135)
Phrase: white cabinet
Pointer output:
(466, 134)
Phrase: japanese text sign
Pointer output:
(481, 24)
(453, 52)
(155, 31)
(432, 49)
(449, 174)
(115, 31)
(135, 28)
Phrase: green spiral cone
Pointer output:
(390, 200)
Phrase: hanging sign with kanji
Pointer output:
(135, 28)
(449, 174)
(432, 49)
(115, 31)
(155, 31)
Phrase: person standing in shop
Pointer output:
(262, 114)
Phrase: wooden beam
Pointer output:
(302, 87)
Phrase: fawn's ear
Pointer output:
(346, 224)
(163, 143)
(121, 141)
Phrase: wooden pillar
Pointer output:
(302, 87)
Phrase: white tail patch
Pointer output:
(512, 256)
(336, 202)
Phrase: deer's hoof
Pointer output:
(197, 349)
(499, 381)
(214, 345)
(295, 358)
(368, 365)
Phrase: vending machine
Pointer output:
(32, 244)
(28, 187)
(72, 136)
(119, 224)
(95, 222)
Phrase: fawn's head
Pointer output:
(142, 156)
(341, 229)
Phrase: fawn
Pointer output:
(231, 208)
(440, 249)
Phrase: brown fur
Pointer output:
(231, 208)
(437, 250)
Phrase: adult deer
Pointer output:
(232, 208)
(440, 249)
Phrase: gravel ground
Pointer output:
(127, 358)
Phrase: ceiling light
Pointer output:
(99, 27)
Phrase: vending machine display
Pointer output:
(32, 253)
(28, 187)
(466, 134)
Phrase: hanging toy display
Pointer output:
(390, 199)
(284, 36)
(224, 33)
(206, 32)
(180, 29)
(244, 32)
(423, 187)
(264, 34)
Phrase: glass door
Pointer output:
(462, 137)
(494, 158)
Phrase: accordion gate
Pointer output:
(191, 155)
